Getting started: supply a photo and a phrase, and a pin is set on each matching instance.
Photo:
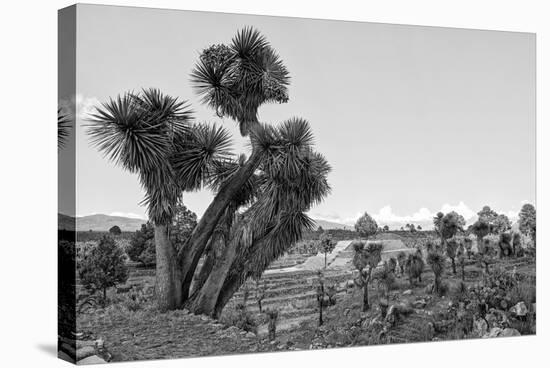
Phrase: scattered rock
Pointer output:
(494, 332)
(480, 327)
(499, 332)
(391, 315)
(99, 343)
(85, 352)
(508, 332)
(250, 335)
(407, 292)
(233, 329)
(94, 359)
(419, 304)
(520, 309)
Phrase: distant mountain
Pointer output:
(99, 222)
(105, 222)
(329, 225)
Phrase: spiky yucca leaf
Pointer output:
(436, 262)
(133, 136)
(236, 80)
(63, 127)
(198, 153)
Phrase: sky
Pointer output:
(413, 120)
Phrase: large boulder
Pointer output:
(480, 327)
(85, 352)
(508, 332)
(519, 310)
(500, 332)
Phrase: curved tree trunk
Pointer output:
(168, 276)
(366, 305)
(230, 287)
(190, 254)
(210, 291)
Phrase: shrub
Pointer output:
(103, 267)
(437, 264)
(414, 267)
(366, 226)
(385, 277)
(528, 221)
(115, 230)
(401, 259)
(142, 243)
(505, 245)
(241, 318)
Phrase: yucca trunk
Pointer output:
(453, 265)
(230, 287)
(366, 305)
(168, 276)
(437, 284)
(207, 298)
(191, 253)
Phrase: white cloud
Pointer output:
(129, 215)
(461, 209)
(79, 105)
(423, 216)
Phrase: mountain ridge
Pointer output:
(102, 222)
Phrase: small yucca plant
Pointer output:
(437, 263)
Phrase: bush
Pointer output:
(241, 318)
(115, 230)
(134, 300)
(414, 267)
(142, 244)
(103, 266)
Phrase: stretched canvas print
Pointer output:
(233, 184)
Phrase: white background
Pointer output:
(29, 162)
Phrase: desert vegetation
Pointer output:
(252, 273)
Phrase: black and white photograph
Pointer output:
(239, 184)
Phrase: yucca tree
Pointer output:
(290, 179)
(234, 80)
(63, 127)
(437, 263)
(152, 135)
(365, 259)
(451, 250)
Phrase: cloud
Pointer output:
(386, 215)
(129, 215)
(423, 216)
(79, 105)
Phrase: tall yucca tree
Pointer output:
(234, 80)
(152, 135)
(290, 179)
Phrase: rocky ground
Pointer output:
(414, 313)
